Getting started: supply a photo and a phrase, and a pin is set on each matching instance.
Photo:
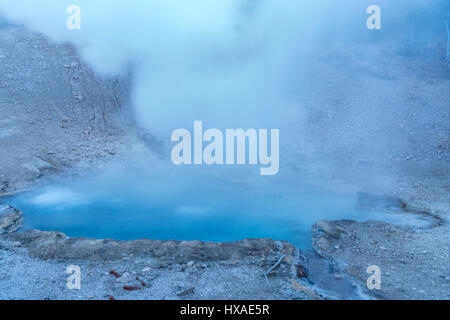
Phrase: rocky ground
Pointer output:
(413, 260)
(34, 266)
(145, 269)
(58, 119)
(56, 115)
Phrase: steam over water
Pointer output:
(187, 206)
(231, 64)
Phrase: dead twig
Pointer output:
(276, 264)
(273, 268)
(267, 280)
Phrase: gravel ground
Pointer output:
(414, 263)
(56, 115)
(25, 277)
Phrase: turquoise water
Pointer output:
(173, 206)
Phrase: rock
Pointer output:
(38, 165)
(301, 271)
(110, 151)
(10, 219)
(185, 292)
(279, 245)
(380, 202)
(55, 245)
(17, 244)
(131, 288)
(128, 281)
(325, 232)
(79, 97)
(125, 278)
(330, 229)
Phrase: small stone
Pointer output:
(79, 97)
(10, 219)
(131, 288)
(111, 152)
(279, 245)
(301, 271)
(186, 292)
(125, 278)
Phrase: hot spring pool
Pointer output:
(176, 207)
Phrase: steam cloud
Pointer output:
(230, 63)
(222, 61)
